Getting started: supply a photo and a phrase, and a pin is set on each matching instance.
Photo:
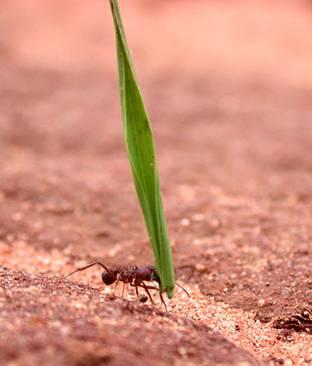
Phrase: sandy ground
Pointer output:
(229, 90)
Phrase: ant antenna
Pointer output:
(88, 266)
(181, 287)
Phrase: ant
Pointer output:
(133, 275)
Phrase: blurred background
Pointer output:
(185, 53)
(206, 46)
(236, 38)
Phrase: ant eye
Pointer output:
(108, 278)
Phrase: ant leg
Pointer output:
(154, 288)
(137, 290)
(162, 300)
(148, 287)
(148, 293)
(181, 287)
(116, 284)
(123, 289)
(88, 266)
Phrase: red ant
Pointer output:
(135, 276)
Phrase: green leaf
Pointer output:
(141, 153)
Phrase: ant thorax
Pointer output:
(127, 275)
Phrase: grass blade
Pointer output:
(141, 154)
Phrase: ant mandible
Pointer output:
(132, 275)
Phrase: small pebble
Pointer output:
(200, 267)
(185, 222)
(182, 351)
(288, 362)
(261, 303)
(286, 292)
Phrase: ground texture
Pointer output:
(229, 89)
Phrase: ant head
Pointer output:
(108, 278)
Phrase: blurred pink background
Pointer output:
(235, 38)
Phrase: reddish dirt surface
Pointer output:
(229, 89)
